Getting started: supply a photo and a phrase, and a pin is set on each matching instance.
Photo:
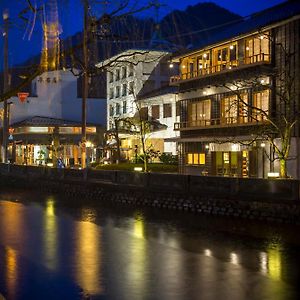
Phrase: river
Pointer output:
(52, 247)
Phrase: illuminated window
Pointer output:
(234, 109)
(257, 48)
(225, 57)
(196, 158)
(199, 113)
(260, 105)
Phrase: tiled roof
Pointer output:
(164, 90)
(46, 121)
(255, 22)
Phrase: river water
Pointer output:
(52, 247)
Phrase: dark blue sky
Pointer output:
(22, 44)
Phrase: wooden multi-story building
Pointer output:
(228, 93)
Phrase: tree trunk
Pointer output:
(283, 170)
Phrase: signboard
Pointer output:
(23, 96)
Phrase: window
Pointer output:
(117, 74)
(110, 77)
(118, 108)
(234, 110)
(130, 70)
(196, 158)
(111, 93)
(131, 88)
(203, 63)
(225, 57)
(124, 107)
(155, 111)
(178, 108)
(111, 110)
(117, 92)
(199, 113)
(144, 113)
(167, 110)
(229, 110)
(257, 49)
(124, 72)
(124, 89)
(260, 102)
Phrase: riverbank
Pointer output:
(252, 199)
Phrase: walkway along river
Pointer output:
(260, 199)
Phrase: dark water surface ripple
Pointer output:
(57, 248)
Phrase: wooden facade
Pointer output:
(229, 92)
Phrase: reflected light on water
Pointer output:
(263, 257)
(274, 262)
(234, 259)
(88, 258)
(50, 235)
(137, 257)
(11, 271)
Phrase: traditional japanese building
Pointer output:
(235, 90)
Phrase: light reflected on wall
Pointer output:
(50, 235)
(88, 257)
(11, 272)
(207, 252)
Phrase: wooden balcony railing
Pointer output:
(221, 122)
(259, 58)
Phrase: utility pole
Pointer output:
(84, 86)
(5, 87)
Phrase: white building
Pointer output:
(54, 95)
(129, 74)
(161, 105)
(52, 114)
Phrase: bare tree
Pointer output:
(279, 119)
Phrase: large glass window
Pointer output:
(234, 109)
(260, 105)
(257, 48)
(199, 113)
(225, 57)
(195, 158)
(118, 108)
(124, 89)
(124, 72)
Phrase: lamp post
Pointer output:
(263, 145)
(5, 87)
(84, 86)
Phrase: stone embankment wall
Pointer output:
(261, 199)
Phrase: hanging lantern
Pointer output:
(23, 96)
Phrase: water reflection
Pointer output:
(87, 259)
(11, 271)
(131, 256)
(50, 235)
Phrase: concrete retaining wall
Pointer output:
(267, 200)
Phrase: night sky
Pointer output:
(22, 44)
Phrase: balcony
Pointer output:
(259, 59)
(220, 122)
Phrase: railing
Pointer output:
(221, 122)
(258, 58)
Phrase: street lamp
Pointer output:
(263, 145)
